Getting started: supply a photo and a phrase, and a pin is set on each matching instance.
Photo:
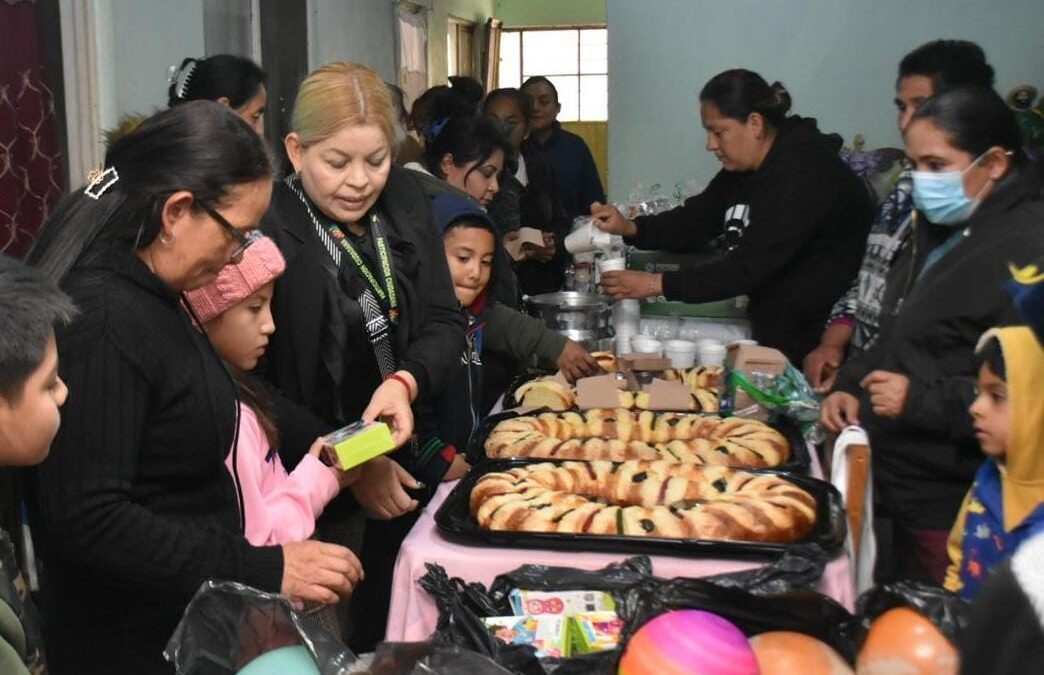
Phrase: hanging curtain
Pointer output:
(30, 159)
(491, 54)
(412, 27)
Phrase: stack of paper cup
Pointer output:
(644, 344)
(626, 319)
(710, 352)
(682, 353)
(587, 238)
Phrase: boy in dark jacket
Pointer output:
(30, 394)
(470, 240)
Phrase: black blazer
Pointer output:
(320, 355)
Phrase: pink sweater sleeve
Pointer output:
(279, 508)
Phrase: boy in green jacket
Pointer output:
(30, 394)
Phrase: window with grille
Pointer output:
(575, 59)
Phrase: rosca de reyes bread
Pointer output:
(635, 498)
(620, 434)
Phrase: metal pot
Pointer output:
(584, 317)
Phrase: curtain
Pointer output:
(412, 25)
(30, 159)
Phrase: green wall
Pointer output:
(550, 12)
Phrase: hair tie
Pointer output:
(99, 182)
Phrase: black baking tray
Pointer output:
(455, 521)
(476, 451)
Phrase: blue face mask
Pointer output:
(940, 196)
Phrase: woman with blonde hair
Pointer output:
(368, 318)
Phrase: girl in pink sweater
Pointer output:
(235, 313)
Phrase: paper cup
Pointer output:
(646, 345)
(744, 341)
(611, 265)
(580, 240)
(711, 354)
(682, 353)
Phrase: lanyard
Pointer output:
(387, 294)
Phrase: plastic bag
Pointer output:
(226, 625)
(423, 658)
(947, 611)
(639, 596)
(787, 395)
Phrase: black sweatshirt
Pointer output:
(135, 508)
(931, 320)
(794, 233)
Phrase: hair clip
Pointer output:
(98, 182)
(182, 78)
(436, 127)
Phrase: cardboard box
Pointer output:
(548, 633)
(358, 443)
(594, 632)
(750, 359)
(559, 602)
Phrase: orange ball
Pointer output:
(901, 641)
(788, 653)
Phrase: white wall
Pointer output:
(353, 30)
(138, 40)
(837, 58)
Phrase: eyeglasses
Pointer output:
(244, 240)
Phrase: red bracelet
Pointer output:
(403, 381)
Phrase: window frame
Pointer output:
(521, 30)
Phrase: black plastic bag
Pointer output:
(226, 625)
(800, 609)
(639, 596)
(424, 658)
(947, 611)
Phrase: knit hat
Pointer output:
(448, 208)
(262, 262)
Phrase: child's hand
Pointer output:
(887, 392)
(379, 488)
(575, 362)
(344, 478)
(458, 469)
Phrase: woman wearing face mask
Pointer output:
(790, 217)
(980, 209)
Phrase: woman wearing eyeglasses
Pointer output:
(134, 506)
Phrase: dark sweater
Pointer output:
(135, 506)
(924, 461)
(794, 234)
(577, 183)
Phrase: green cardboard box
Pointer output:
(358, 443)
(660, 261)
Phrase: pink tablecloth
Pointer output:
(413, 614)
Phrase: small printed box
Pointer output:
(594, 632)
(548, 634)
(358, 443)
(559, 602)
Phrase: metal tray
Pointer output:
(455, 521)
(476, 451)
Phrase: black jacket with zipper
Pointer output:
(925, 460)
(320, 355)
(794, 232)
